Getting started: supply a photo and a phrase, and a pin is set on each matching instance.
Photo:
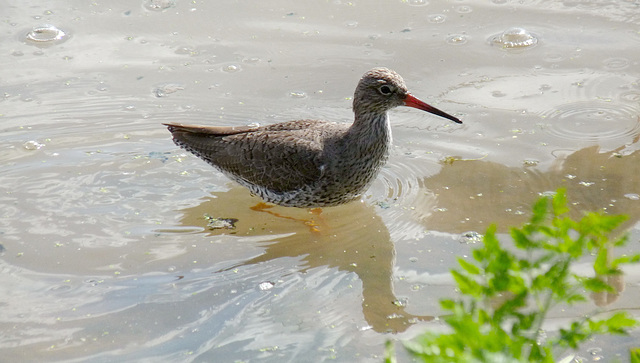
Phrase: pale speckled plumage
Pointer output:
(308, 163)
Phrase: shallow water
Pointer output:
(106, 251)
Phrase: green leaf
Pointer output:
(600, 265)
(539, 211)
(469, 267)
(620, 322)
(447, 304)
(559, 202)
(634, 355)
(595, 284)
(389, 352)
(466, 285)
(521, 239)
(624, 260)
(622, 240)
(490, 240)
(574, 298)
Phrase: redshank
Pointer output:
(309, 163)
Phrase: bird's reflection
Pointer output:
(470, 195)
(352, 238)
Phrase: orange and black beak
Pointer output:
(411, 101)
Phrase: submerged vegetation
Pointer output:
(508, 292)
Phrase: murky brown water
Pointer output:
(106, 251)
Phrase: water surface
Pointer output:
(107, 253)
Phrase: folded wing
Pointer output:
(282, 157)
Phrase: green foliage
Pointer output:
(506, 297)
(634, 355)
(389, 353)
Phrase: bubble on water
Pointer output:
(544, 87)
(251, 60)
(93, 282)
(45, 35)
(232, 68)
(596, 353)
(464, 9)
(417, 2)
(632, 196)
(402, 302)
(457, 39)
(186, 50)
(267, 285)
(470, 237)
(351, 24)
(32, 145)
(159, 5)
(220, 223)
(298, 94)
(163, 90)
(515, 38)
(436, 18)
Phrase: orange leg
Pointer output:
(313, 226)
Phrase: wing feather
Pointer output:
(281, 157)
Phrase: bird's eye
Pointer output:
(385, 89)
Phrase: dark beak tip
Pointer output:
(412, 101)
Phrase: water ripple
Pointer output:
(400, 179)
(159, 5)
(592, 121)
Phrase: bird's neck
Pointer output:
(371, 128)
(369, 138)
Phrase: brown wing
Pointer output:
(281, 157)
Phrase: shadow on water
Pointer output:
(468, 195)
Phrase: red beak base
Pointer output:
(411, 101)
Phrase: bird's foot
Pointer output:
(311, 223)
